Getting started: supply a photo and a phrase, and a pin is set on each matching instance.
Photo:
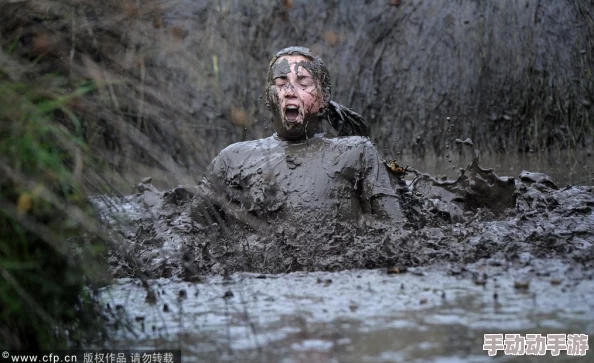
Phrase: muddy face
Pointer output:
(295, 98)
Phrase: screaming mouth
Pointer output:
(292, 113)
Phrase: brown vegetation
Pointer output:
(178, 81)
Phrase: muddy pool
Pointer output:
(431, 298)
(350, 316)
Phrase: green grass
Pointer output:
(44, 298)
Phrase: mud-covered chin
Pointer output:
(297, 130)
(291, 119)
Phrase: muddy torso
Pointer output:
(320, 179)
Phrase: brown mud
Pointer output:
(354, 315)
(477, 218)
(479, 254)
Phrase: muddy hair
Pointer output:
(346, 121)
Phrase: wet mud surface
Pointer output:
(479, 254)
(350, 316)
(446, 225)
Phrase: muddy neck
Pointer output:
(299, 141)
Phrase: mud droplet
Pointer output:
(181, 295)
(522, 285)
(324, 282)
(396, 270)
(150, 297)
(480, 282)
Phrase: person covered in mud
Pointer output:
(306, 173)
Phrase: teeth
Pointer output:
(291, 107)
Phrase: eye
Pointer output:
(280, 81)
(305, 82)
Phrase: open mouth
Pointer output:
(292, 113)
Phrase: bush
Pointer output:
(45, 264)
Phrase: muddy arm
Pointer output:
(378, 192)
(208, 206)
(211, 205)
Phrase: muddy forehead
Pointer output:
(282, 67)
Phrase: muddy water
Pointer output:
(432, 292)
(350, 316)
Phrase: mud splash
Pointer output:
(477, 216)
(474, 188)
(479, 254)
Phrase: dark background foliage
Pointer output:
(180, 80)
(512, 75)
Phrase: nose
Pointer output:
(289, 91)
